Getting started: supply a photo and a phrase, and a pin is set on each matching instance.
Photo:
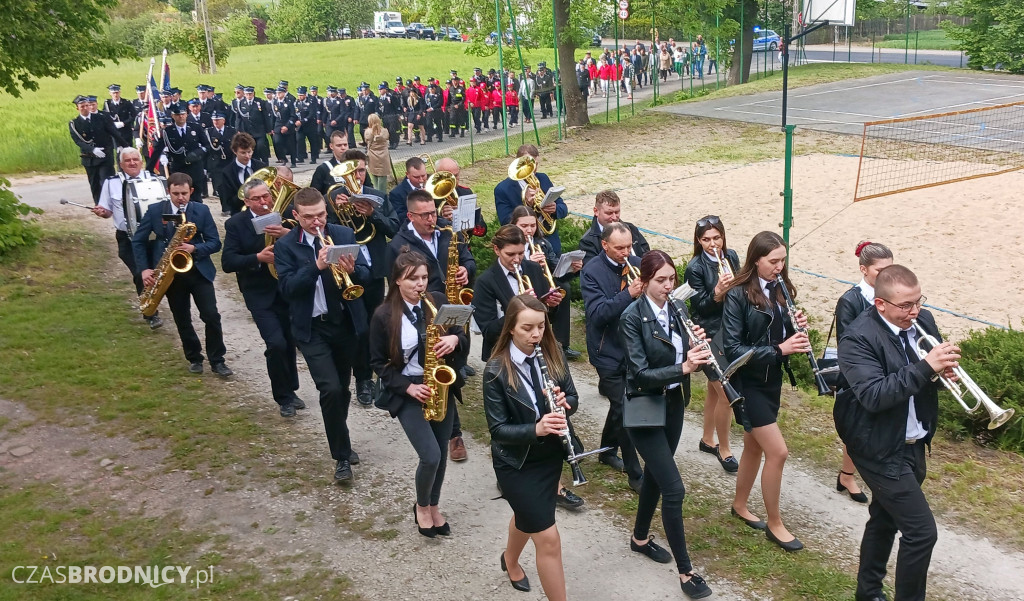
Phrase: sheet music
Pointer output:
(261, 222)
(552, 195)
(337, 251)
(376, 201)
(464, 215)
(565, 261)
(453, 315)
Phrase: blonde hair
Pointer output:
(376, 125)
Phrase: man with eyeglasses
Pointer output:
(607, 207)
(886, 411)
(247, 255)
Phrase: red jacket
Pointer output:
(496, 98)
(511, 97)
(471, 97)
(484, 98)
(605, 72)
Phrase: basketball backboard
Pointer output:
(836, 12)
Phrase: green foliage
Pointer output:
(15, 230)
(312, 20)
(994, 38)
(189, 39)
(130, 31)
(53, 39)
(155, 39)
(240, 30)
(994, 359)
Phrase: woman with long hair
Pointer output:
(526, 442)
(415, 111)
(873, 257)
(754, 318)
(659, 361)
(397, 355)
(378, 157)
(709, 278)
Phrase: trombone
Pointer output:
(349, 290)
(345, 174)
(524, 169)
(997, 415)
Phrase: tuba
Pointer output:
(524, 168)
(456, 295)
(173, 261)
(349, 290)
(437, 376)
(345, 174)
(441, 187)
(283, 191)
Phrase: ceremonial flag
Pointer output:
(165, 81)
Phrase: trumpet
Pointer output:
(524, 169)
(523, 279)
(345, 174)
(535, 248)
(819, 374)
(997, 415)
(632, 273)
(349, 290)
(724, 268)
(572, 458)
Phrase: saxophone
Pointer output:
(437, 376)
(173, 261)
(456, 295)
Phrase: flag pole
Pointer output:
(149, 99)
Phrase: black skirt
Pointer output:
(531, 490)
(761, 398)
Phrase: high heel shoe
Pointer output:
(519, 585)
(789, 546)
(443, 530)
(859, 497)
(427, 532)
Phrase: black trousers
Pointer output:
(99, 174)
(545, 104)
(897, 506)
(430, 441)
(275, 329)
(373, 296)
(612, 385)
(560, 321)
(476, 118)
(662, 480)
(127, 256)
(394, 126)
(196, 172)
(513, 115)
(262, 151)
(186, 287)
(313, 136)
(351, 129)
(328, 354)
(284, 145)
(435, 124)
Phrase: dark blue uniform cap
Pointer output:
(114, 87)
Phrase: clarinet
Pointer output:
(823, 388)
(578, 479)
(731, 394)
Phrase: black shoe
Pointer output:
(571, 354)
(222, 370)
(463, 135)
(155, 322)
(706, 448)
(196, 368)
(364, 392)
(877, 597)
(519, 585)
(568, 499)
(755, 524)
(342, 471)
(353, 458)
(655, 552)
(468, 371)
(790, 546)
(288, 410)
(636, 484)
(427, 532)
(443, 530)
(612, 460)
(859, 497)
(695, 587)
(729, 464)
(297, 402)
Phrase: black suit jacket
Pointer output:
(97, 131)
(491, 295)
(871, 409)
(392, 380)
(650, 355)
(397, 197)
(182, 152)
(206, 240)
(437, 267)
(590, 243)
(385, 223)
(231, 181)
(124, 112)
(604, 302)
(241, 245)
(851, 304)
(322, 179)
(702, 275)
(297, 274)
(219, 145)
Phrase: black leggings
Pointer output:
(430, 440)
(657, 446)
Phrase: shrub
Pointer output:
(15, 230)
(240, 30)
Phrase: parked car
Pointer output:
(449, 34)
(766, 39)
(420, 31)
(346, 32)
(368, 33)
(507, 35)
(595, 41)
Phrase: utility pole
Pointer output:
(202, 14)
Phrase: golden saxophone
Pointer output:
(456, 295)
(173, 261)
(437, 376)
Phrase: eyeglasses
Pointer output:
(907, 307)
(709, 220)
(424, 214)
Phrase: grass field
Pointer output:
(935, 39)
(34, 131)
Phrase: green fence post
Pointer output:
(655, 67)
(618, 114)
(787, 188)
(718, 45)
(917, 37)
(742, 32)
(906, 29)
(501, 72)
(558, 77)
(849, 45)
(522, 67)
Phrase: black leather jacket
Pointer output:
(851, 304)
(745, 327)
(510, 415)
(650, 357)
(702, 276)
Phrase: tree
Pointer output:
(995, 36)
(53, 39)
(190, 39)
(576, 114)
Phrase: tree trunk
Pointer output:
(747, 49)
(575, 109)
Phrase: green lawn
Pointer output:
(935, 39)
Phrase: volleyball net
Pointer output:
(898, 155)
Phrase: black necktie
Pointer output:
(776, 331)
(421, 331)
(246, 172)
(538, 390)
(908, 350)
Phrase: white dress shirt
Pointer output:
(867, 291)
(915, 431)
(662, 314)
(525, 383)
(111, 197)
(432, 243)
(771, 300)
(410, 340)
(319, 298)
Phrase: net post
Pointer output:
(787, 187)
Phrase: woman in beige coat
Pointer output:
(378, 157)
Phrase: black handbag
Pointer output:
(644, 411)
